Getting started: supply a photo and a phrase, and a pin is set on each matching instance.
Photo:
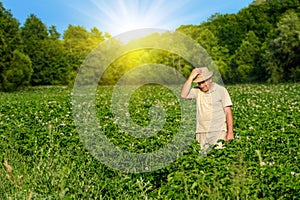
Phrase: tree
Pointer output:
(246, 58)
(54, 34)
(33, 32)
(19, 72)
(282, 50)
(95, 38)
(228, 30)
(207, 39)
(75, 38)
(10, 39)
(219, 54)
(48, 56)
(79, 42)
(56, 69)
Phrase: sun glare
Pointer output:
(120, 16)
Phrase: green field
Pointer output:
(43, 157)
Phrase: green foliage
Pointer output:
(10, 40)
(44, 158)
(75, 38)
(55, 70)
(283, 49)
(19, 72)
(246, 58)
(54, 34)
(33, 30)
(49, 60)
(78, 40)
(246, 41)
(78, 43)
(259, 43)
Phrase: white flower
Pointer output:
(293, 173)
(262, 163)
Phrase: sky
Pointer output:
(119, 16)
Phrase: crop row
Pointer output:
(44, 156)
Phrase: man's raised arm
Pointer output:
(188, 83)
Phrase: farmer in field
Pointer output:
(213, 105)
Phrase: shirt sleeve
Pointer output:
(192, 94)
(226, 98)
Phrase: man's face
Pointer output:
(204, 85)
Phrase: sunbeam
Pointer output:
(119, 16)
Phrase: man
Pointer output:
(213, 103)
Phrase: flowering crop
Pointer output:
(43, 156)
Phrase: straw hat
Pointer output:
(204, 75)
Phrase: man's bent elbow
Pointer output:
(184, 96)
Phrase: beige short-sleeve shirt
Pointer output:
(211, 108)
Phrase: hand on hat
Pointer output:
(195, 72)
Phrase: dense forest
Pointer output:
(260, 43)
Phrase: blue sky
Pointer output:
(119, 16)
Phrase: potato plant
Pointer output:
(42, 155)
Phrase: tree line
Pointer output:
(258, 44)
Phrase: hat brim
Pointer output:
(201, 78)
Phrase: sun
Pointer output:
(121, 16)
